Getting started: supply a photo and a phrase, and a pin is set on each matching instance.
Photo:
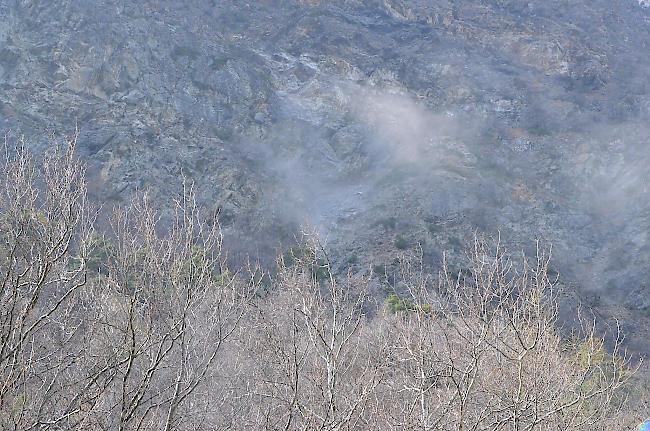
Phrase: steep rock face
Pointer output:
(381, 124)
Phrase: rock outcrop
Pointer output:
(382, 124)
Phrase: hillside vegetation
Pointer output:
(388, 126)
(142, 325)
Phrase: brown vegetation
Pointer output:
(144, 327)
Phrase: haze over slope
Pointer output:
(382, 124)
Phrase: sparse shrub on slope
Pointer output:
(401, 243)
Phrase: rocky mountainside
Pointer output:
(380, 124)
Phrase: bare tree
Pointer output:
(166, 307)
(318, 362)
(144, 327)
(484, 352)
(43, 216)
(130, 346)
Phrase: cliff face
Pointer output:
(381, 124)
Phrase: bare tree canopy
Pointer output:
(143, 326)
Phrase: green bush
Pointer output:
(396, 304)
(100, 253)
(401, 243)
(303, 255)
(295, 255)
(380, 270)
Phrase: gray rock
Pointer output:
(446, 117)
